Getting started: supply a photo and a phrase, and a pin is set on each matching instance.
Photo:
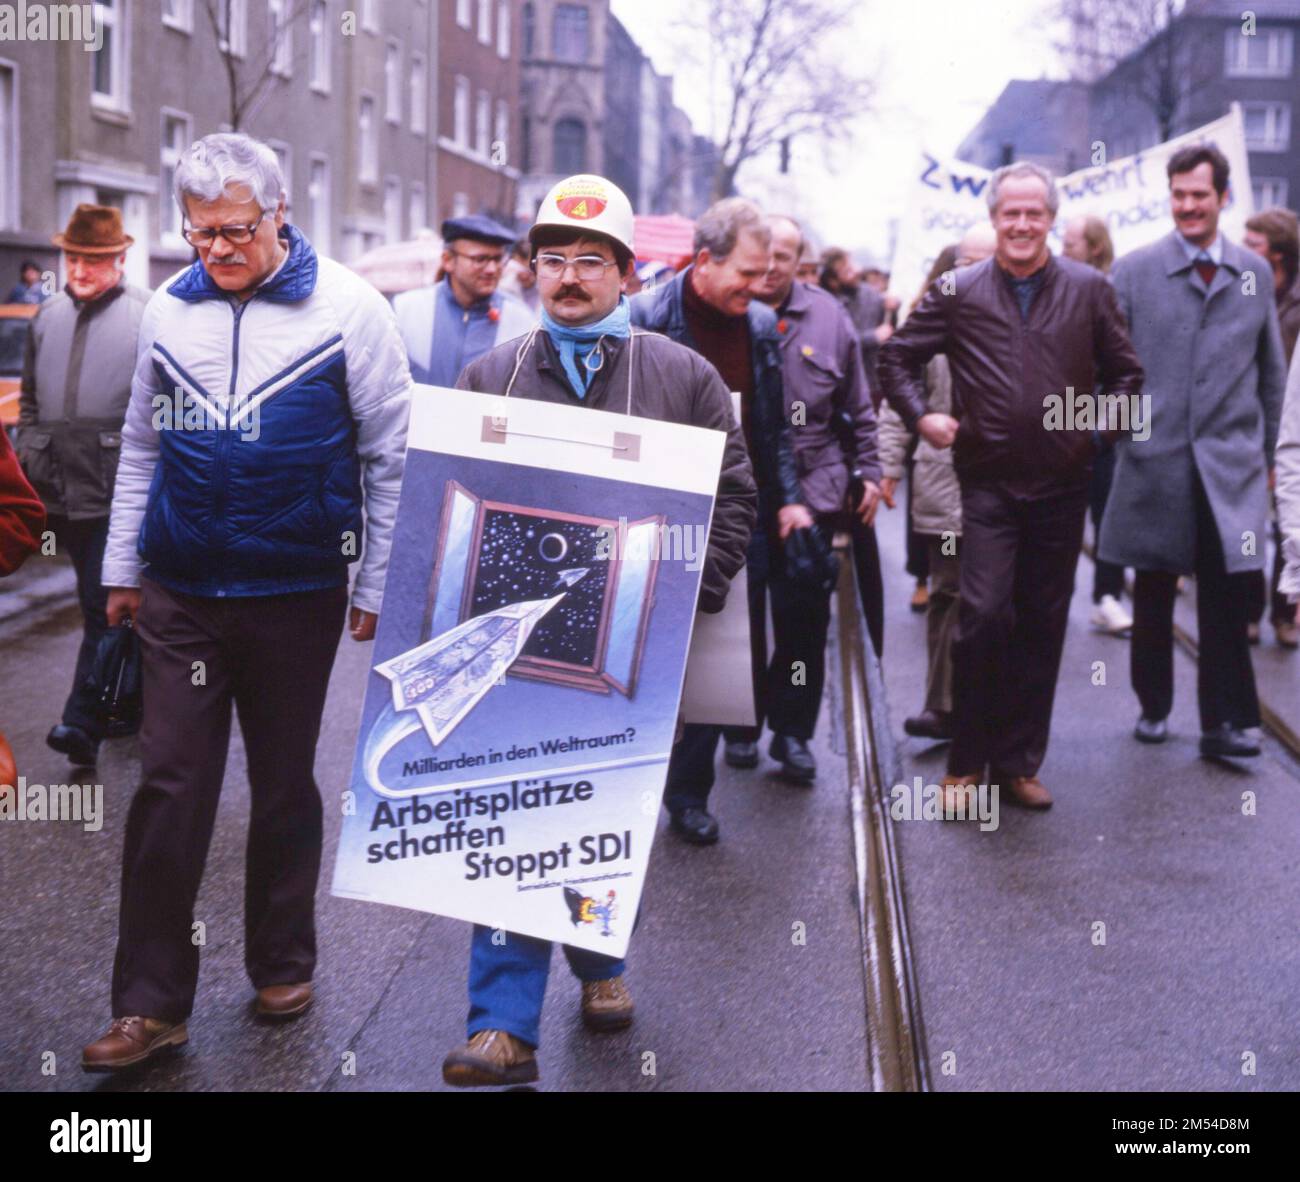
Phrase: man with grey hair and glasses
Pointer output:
(271, 391)
(1019, 329)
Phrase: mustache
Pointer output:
(571, 292)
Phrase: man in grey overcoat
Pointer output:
(1192, 498)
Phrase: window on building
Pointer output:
(419, 96)
(530, 28)
(1268, 126)
(460, 111)
(1267, 53)
(178, 14)
(570, 147)
(501, 134)
(175, 139)
(464, 13)
(370, 15)
(483, 124)
(503, 29)
(8, 148)
(393, 209)
(417, 211)
(485, 22)
(525, 143)
(569, 37)
(318, 203)
(1270, 192)
(318, 30)
(460, 205)
(393, 82)
(281, 34)
(284, 154)
(369, 140)
(111, 83)
(232, 27)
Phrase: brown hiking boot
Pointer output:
(283, 1001)
(1028, 792)
(958, 797)
(606, 1005)
(491, 1058)
(130, 1041)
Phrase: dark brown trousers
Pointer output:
(271, 657)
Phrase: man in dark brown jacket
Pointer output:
(1029, 339)
(585, 352)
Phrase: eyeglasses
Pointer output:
(479, 261)
(235, 235)
(587, 267)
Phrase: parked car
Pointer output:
(13, 338)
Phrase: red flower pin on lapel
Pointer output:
(783, 327)
(494, 314)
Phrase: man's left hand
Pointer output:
(869, 504)
(792, 517)
(362, 624)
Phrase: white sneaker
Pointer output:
(1109, 616)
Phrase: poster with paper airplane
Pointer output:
(527, 671)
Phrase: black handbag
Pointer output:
(115, 682)
(810, 561)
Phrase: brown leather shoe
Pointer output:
(284, 1001)
(130, 1041)
(920, 597)
(1288, 636)
(958, 798)
(606, 1005)
(491, 1058)
(1028, 792)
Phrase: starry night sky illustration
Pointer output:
(520, 558)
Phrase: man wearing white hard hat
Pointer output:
(585, 352)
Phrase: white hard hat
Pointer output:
(589, 203)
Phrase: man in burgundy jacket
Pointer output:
(22, 516)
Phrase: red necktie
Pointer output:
(1206, 268)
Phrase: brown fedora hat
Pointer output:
(94, 229)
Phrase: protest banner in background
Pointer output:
(1131, 195)
(528, 667)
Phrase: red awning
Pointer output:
(667, 238)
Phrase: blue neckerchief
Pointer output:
(569, 342)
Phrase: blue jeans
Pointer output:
(507, 982)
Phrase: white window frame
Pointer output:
(503, 29)
(462, 116)
(1236, 53)
(170, 235)
(417, 208)
(393, 81)
(284, 154)
(318, 54)
(485, 22)
(1277, 187)
(118, 19)
(465, 13)
(460, 205)
(370, 15)
(280, 30)
(483, 124)
(393, 208)
(11, 148)
(368, 171)
(419, 94)
(318, 202)
(501, 127)
(237, 35)
(183, 21)
(1278, 120)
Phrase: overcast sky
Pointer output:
(938, 65)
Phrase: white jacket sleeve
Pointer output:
(1287, 462)
(138, 460)
(379, 394)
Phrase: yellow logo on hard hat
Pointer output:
(582, 201)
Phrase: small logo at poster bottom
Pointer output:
(584, 909)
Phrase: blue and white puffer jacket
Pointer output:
(251, 431)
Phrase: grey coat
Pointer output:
(76, 384)
(1215, 377)
(936, 491)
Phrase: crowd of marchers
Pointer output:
(227, 553)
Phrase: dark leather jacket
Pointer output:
(660, 310)
(1003, 368)
(670, 384)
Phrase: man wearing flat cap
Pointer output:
(461, 317)
(75, 387)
